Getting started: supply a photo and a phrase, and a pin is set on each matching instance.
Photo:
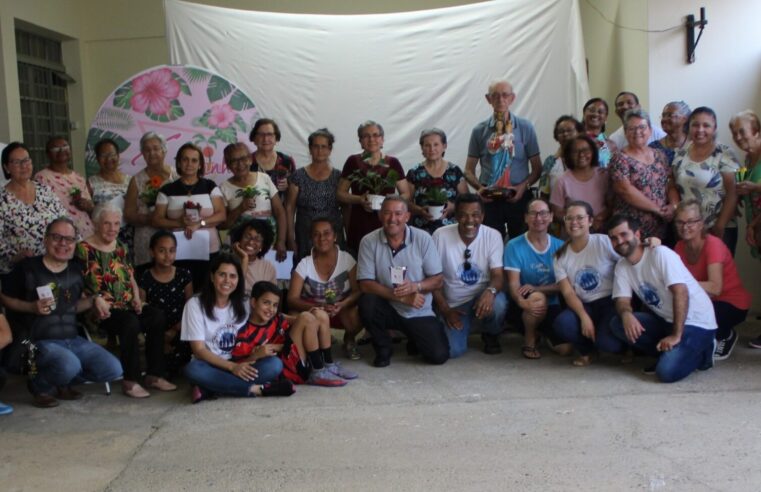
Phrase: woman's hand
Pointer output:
(282, 183)
(245, 371)
(43, 307)
(248, 204)
(448, 209)
(366, 203)
(102, 307)
(137, 305)
(280, 251)
(83, 204)
(747, 187)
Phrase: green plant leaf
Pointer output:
(240, 124)
(113, 119)
(123, 95)
(196, 74)
(228, 134)
(93, 137)
(240, 102)
(175, 112)
(183, 85)
(218, 88)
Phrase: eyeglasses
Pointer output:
(58, 149)
(109, 155)
(57, 238)
(585, 151)
(539, 213)
(502, 95)
(371, 135)
(252, 238)
(575, 218)
(238, 160)
(638, 128)
(20, 162)
(265, 135)
(687, 223)
(466, 255)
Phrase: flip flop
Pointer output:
(530, 352)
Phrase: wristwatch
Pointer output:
(492, 290)
(203, 223)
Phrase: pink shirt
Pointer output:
(715, 251)
(567, 188)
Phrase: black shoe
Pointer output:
(381, 361)
(491, 344)
(649, 370)
(724, 347)
(68, 393)
(42, 400)
(278, 388)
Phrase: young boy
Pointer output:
(270, 333)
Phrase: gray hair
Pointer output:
(368, 124)
(433, 131)
(746, 115)
(495, 83)
(396, 198)
(637, 113)
(105, 207)
(682, 108)
(153, 136)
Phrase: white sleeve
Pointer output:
(302, 268)
(621, 285)
(495, 250)
(560, 268)
(269, 186)
(193, 327)
(216, 192)
(162, 199)
(672, 268)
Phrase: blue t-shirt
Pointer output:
(534, 266)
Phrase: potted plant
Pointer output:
(436, 199)
(374, 182)
(330, 297)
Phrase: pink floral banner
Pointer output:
(182, 103)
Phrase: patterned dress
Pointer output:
(62, 185)
(143, 233)
(552, 169)
(652, 180)
(108, 273)
(604, 155)
(284, 165)
(423, 181)
(106, 191)
(315, 199)
(752, 201)
(23, 226)
(169, 296)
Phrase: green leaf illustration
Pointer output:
(240, 124)
(196, 74)
(218, 88)
(93, 137)
(183, 85)
(240, 102)
(175, 112)
(228, 134)
(113, 119)
(123, 95)
(203, 120)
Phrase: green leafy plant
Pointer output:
(373, 181)
(435, 197)
(249, 192)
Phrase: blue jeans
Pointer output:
(567, 326)
(491, 324)
(694, 351)
(215, 380)
(72, 361)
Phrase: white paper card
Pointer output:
(195, 248)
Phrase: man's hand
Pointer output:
(406, 288)
(245, 371)
(519, 191)
(668, 343)
(415, 300)
(588, 328)
(632, 327)
(485, 304)
(452, 318)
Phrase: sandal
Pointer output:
(582, 361)
(134, 390)
(351, 351)
(160, 384)
(530, 352)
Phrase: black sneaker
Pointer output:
(724, 347)
(649, 370)
(381, 361)
(491, 344)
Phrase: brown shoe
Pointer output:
(160, 384)
(134, 390)
(68, 393)
(42, 400)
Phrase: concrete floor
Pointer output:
(477, 423)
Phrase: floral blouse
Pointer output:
(107, 273)
(23, 226)
(423, 181)
(62, 185)
(652, 180)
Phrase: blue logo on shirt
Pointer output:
(649, 295)
(469, 276)
(225, 338)
(588, 279)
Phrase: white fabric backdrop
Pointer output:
(408, 71)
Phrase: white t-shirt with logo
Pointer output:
(651, 277)
(218, 334)
(590, 271)
(460, 284)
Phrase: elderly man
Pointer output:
(680, 326)
(506, 147)
(46, 292)
(626, 101)
(471, 257)
(398, 269)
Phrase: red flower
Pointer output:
(154, 91)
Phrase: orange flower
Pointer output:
(156, 182)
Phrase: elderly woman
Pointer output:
(584, 180)
(434, 173)
(746, 132)
(26, 208)
(250, 242)
(312, 193)
(674, 123)
(566, 128)
(642, 179)
(705, 171)
(190, 204)
(362, 218)
(595, 114)
(328, 278)
(251, 194)
(279, 167)
(69, 186)
(142, 192)
(708, 259)
(108, 274)
(110, 184)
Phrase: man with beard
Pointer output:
(398, 269)
(471, 257)
(680, 326)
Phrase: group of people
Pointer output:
(415, 253)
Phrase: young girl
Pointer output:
(269, 333)
(168, 288)
(210, 321)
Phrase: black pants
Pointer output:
(126, 325)
(426, 332)
(727, 317)
(499, 213)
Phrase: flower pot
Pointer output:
(375, 201)
(436, 211)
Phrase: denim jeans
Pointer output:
(567, 326)
(72, 361)
(694, 351)
(215, 380)
(491, 324)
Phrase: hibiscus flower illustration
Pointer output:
(222, 115)
(154, 91)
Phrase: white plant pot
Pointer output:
(436, 211)
(375, 201)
